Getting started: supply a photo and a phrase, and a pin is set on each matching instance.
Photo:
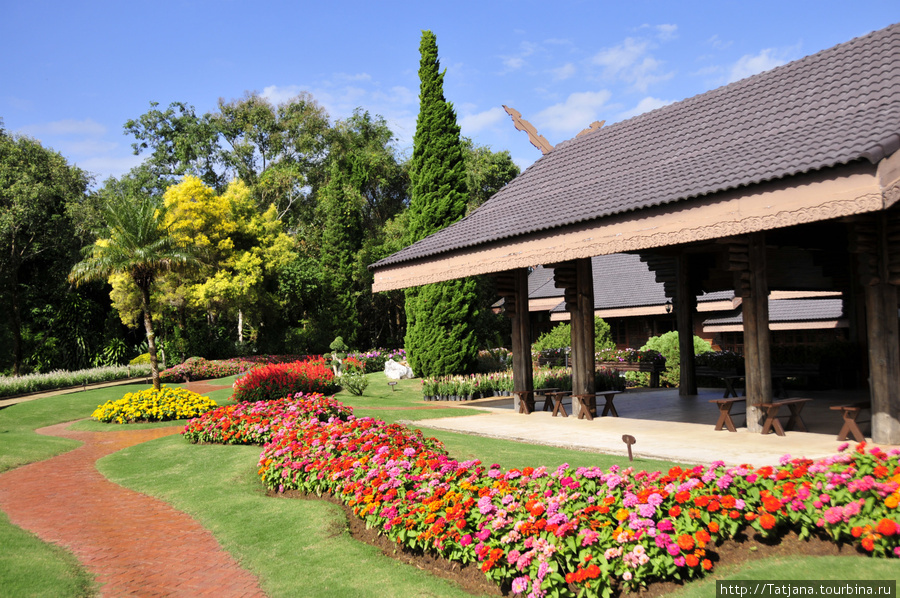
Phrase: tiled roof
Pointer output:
(832, 108)
(789, 310)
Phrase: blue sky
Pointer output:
(73, 72)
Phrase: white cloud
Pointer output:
(564, 72)
(718, 43)
(107, 166)
(472, 124)
(618, 58)
(666, 32)
(513, 62)
(66, 127)
(645, 105)
(631, 62)
(577, 112)
(279, 95)
(516, 61)
(752, 64)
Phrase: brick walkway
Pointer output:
(133, 544)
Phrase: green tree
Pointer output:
(560, 337)
(39, 191)
(667, 344)
(440, 336)
(364, 187)
(135, 243)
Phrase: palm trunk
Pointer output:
(151, 337)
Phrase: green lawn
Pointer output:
(299, 547)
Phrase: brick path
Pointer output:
(134, 545)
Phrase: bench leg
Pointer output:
(795, 421)
(584, 411)
(559, 408)
(851, 427)
(608, 407)
(729, 389)
(772, 422)
(523, 407)
(725, 418)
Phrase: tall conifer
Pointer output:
(440, 335)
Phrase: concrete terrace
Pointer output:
(665, 426)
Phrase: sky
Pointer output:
(73, 73)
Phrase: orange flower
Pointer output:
(686, 542)
(767, 521)
(886, 527)
(713, 527)
(691, 560)
(707, 564)
(892, 501)
(702, 536)
(868, 543)
(622, 514)
(675, 511)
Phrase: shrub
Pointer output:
(667, 345)
(560, 337)
(353, 381)
(17, 385)
(276, 381)
(153, 405)
(140, 359)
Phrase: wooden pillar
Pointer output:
(877, 243)
(685, 304)
(583, 365)
(513, 287)
(757, 352)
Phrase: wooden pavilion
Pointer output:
(787, 180)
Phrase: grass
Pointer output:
(298, 546)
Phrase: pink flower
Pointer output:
(520, 584)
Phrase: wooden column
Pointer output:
(583, 365)
(513, 287)
(577, 280)
(757, 353)
(685, 305)
(876, 240)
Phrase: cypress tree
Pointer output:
(440, 334)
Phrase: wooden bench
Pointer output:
(729, 377)
(526, 400)
(587, 404)
(725, 404)
(851, 425)
(544, 392)
(794, 420)
(555, 397)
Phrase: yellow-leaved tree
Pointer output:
(240, 248)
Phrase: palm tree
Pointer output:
(136, 243)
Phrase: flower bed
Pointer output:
(198, 368)
(254, 423)
(474, 386)
(153, 405)
(579, 531)
(276, 381)
(17, 385)
(374, 360)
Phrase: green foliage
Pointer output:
(667, 345)
(143, 358)
(560, 337)
(353, 382)
(440, 335)
(137, 245)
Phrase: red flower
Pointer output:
(868, 543)
(691, 560)
(675, 511)
(767, 521)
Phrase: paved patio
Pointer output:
(665, 426)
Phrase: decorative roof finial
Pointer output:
(538, 141)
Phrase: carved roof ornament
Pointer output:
(594, 126)
(538, 141)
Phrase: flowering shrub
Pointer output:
(483, 385)
(198, 368)
(153, 405)
(276, 381)
(632, 356)
(254, 423)
(578, 531)
(374, 360)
